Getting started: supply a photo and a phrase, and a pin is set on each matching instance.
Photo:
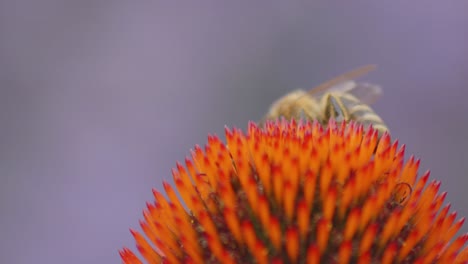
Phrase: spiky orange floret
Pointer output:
(300, 193)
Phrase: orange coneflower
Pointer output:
(300, 193)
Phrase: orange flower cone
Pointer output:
(300, 193)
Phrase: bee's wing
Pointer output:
(366, 92)
(343, 78)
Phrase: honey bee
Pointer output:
(340, 98)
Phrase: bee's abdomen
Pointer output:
(364, 114)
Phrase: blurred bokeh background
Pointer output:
(99, 99)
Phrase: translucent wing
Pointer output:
(353, 74)
(365, 92)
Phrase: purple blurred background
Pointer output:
(100, 99)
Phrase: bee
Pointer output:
(340, 98)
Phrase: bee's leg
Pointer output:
(334, 108)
